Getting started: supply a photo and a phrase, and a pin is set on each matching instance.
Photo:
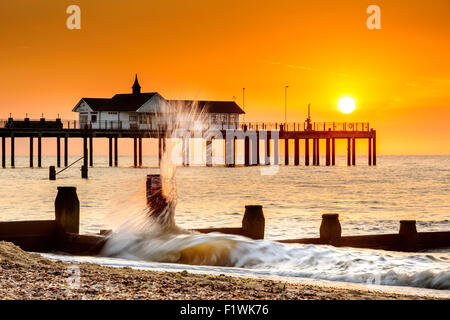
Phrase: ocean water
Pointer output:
(370, 200)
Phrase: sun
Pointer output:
(346, 105)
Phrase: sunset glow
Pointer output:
(346, 105)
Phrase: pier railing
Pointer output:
(162, 125)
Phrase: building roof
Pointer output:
(120, 102)
(210, 106)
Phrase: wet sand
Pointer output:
(30, 276)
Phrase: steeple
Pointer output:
(136, 87)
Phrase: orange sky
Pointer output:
(210, 49)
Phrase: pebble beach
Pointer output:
(30, 276)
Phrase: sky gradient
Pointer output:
(198, 49)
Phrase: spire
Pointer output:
(136, 87)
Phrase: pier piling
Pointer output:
(39, 151)
(297, 152)
(12, 151)
(349, 151)
(140, 151)
(135, 152)
(408, 235)
(306, 152)
(110, 151)
(253, 223)
(328, 152)
(91, 151)
(354, 152)
(58, 152)
(246, 151)
(330, 229)
(286, 152)
(370, 152)
(3, 152)
(374, 141)
(31, 152)
(67, 210)
(51, 173)
(333, 152)
(66, 151)
(116, 152)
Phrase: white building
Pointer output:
(138, 110)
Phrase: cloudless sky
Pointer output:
(199, 49)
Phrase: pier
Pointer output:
(306, 136)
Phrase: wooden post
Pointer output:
(3, 152)
(110, 151)
(306, 152)
(267, 155)
(370, 152)
(354, 152)
(247, 151)
(297, 152)
(333, 151)
(286, 152)
(140, 151)
(135, 152)
(257, 148)
(31, 152)
(253, 223)
(116, 152)
(349, 151)
(159, 151)
(328, 152)
(67, 210)
(66, 151)
(12, 151)
(51, 173)
(58, 152)
(317, 152)
(84, 167)
(374, 139)
(408, 235)
(91, 151)
(39, 151)
(209, 152)
(330, 229)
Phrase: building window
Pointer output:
(232, 119)
(94, 118)
(83, 119)
(112, 112)
(223, 118)
(133, 118)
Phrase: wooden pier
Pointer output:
(251, 133)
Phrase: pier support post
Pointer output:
(330, 229)
(110, 151)
(253, 223)
(12, 152)
(317, 152)
(140, 151)
(51, 173)
(306, 152)
(286, 152)
(333, 151)
(116, 151)
(354, 152)
(374, 140)
(267, 156)
(296, 152)
(257, 148)
(246, 151)
(58, 152)
(328, 152)
(135, 152)
(4, 152)
(185, 150)
(67, 210)
(370, 152)
(91, 151)
(31, 152)
(408, 235)
(209, 152)
(349, 151)
(39, 151)
(66, 151)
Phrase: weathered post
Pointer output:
(84, 171)
(349, 151)
(286, 151)
(39, 151)
(3, 152)
(153, 186)
(110, 151)
(246, 151)
(253, 223)
(306, 152)
(330, 229)
(91, 151)
(328, 152)
(66, 151)
(58, 152)
(135, 152)
(31, 152)
(116, 151)
(257, 147)
(408, 235)
(140, 151)
(374, 149)
(370, 151)
(51, 173)
(12, 151)
(297, 152)
(318, 152)
(354, 152)
(67, 210)
(333, 151)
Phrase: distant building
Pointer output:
(138, 110)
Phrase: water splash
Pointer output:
(151, 234)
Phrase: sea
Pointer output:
(368, 199)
